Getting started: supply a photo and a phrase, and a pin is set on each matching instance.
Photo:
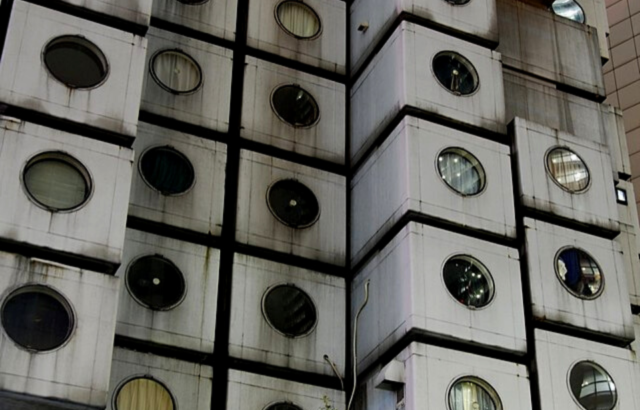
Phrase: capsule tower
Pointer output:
(199, 197)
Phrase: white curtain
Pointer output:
(298, 19)
(56, 184)
(143, 394)
(568, 169)
(459, 173)
(176, 71)
(469, 396)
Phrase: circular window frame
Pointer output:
(473, 70)
(64, 157)
(275, 403)
(458, 5)
(480, 382)
(469, 157)
(275, 111)
(555, 181)
(584, 13)
(140, 302)
(172, 148)
(198, 3)
(123, 382)
(82, 40)
(309, 8)
(162, 85)
(598, 366)
(273, 212)
(491, 281)
(571, 292)
(51, 291)
(266, 317)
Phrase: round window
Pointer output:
(568, 170)
(76, 62)
(455, 73)
(458, 2)
(37, 318)
(295, 106)
(298, 19)
(569, 9)
(468, 281)
(592, 387)
(470, 393)
(167, 170)
(57, 181)
(579, 273)
(293, 204)
(283, 406)
(143, 394)
(176, 72)
(194, 2)
(289, 310)
(155, 282)
(461, 171)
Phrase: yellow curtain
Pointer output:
(298, 19)
(143, 394)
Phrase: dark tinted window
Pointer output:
(76, 62)
(579, 273)
(592, 387)
(293, 204)
(468, 281)
(57, 181)
(458, 2)
(455, 73)
(37, 318)
(156, 282)
(283, 406)
(290, 310)
(167, 170)
(295, 106)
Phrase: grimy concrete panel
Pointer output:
(26, 82)
(78, 371)
(407, 291)
(253, 338)
(136, 11)
(216, 17)
(327, 50)
(325, 139)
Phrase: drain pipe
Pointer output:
(355, 343)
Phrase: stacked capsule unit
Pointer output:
(489, 217)
(173, 225)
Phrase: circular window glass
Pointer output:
(592, 387)
(455, 73)
(37, 318)
(468, 281)
(76, 62)
(473, 394)
(143, 394)
(167, 170)
(295, 106)
(289, 310)
(293, 204)
(461, 171)
(283, 406)
(298, 19)
(579, 273)
(569, 9)
(194, 2)
(57, 181)
(458, 2)
(568, 170)
(156, 282)
(176, 72)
